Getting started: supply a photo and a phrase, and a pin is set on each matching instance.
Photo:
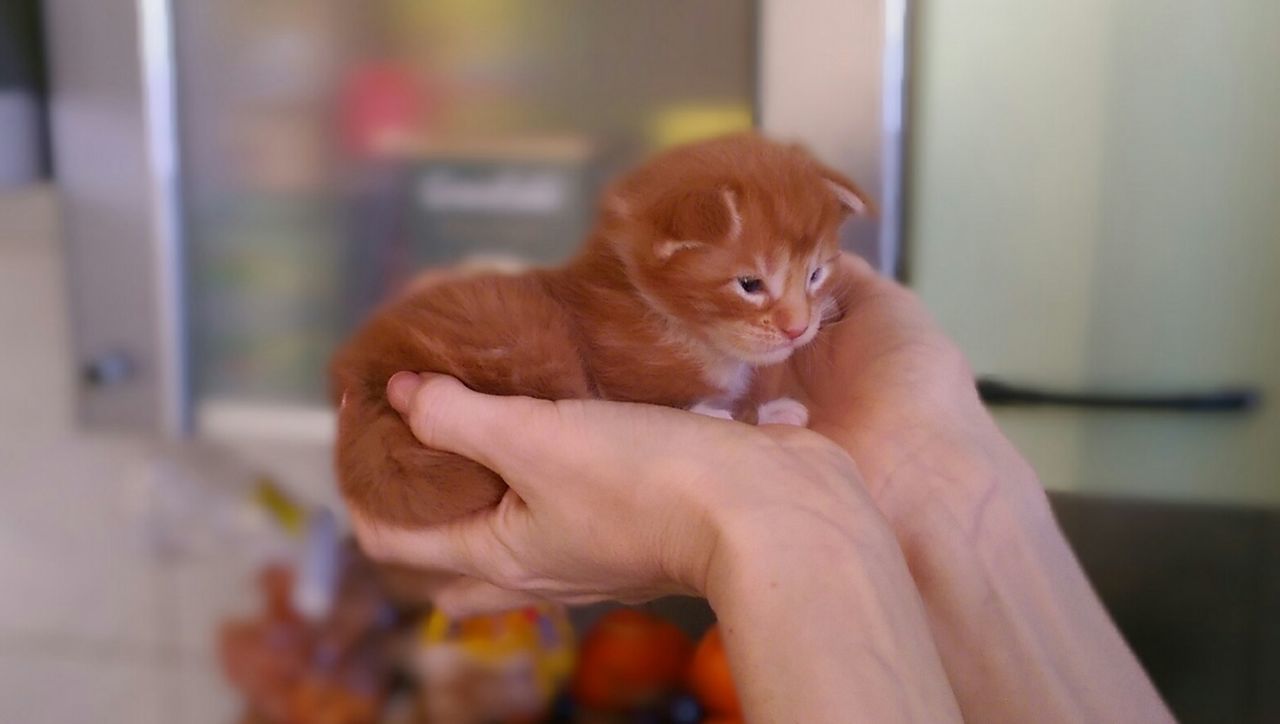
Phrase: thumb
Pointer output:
(445, 414)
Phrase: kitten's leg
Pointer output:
(783, 411)
(712, 410)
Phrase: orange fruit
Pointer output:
(629, 658)
(710, 680)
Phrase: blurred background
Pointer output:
(200, 198)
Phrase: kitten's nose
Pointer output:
(793, 333)
(791, 320)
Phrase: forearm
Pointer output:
(828, 627)
(1021, 633)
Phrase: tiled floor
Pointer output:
(96, 625)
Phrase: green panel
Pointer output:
(1096, 203)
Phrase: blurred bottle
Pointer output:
(505, 667)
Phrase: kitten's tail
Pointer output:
(388, 477)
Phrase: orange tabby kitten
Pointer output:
(709, 260)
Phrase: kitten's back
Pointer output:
(497, 334)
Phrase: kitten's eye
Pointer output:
(816, 276)
(751, 285)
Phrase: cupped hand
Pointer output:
(609, 500)
(885, 383)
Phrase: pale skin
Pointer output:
(926, 581)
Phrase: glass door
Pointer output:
(295, 161)
(333, 149)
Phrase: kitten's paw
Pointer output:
(710, 410)
(783, 411)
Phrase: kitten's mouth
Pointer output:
(781, 351)
(755, 349)
(779, 354)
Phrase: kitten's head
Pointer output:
(736, 239)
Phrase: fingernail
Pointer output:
(400, 389)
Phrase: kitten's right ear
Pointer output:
(853, 199)
(690, 219)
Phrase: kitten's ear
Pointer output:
(847, 193)
(853, 199)
(690, 219)
(613, 202)
(668, 248)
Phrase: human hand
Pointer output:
(1018, 627)
(612, 500)
(897, 394)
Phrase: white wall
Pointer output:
(820, 82)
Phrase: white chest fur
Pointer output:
(731, 377)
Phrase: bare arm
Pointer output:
(823, 625)
(1021, 633)
(609, 500)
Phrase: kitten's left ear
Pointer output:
(847, 192)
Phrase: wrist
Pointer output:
(784, 604)
(771, 552)
(963, 497)
(931, 474)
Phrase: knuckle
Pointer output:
(943, 362)
(510, 574)
(523, 410)
(955, 360)
(492, 553)
(569, 410)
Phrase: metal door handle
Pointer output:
(1227, 399)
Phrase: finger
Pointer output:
(856, 266)
(462, 546)
(445, 414)
(473, 597)
(862, 281)
(856, 278)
